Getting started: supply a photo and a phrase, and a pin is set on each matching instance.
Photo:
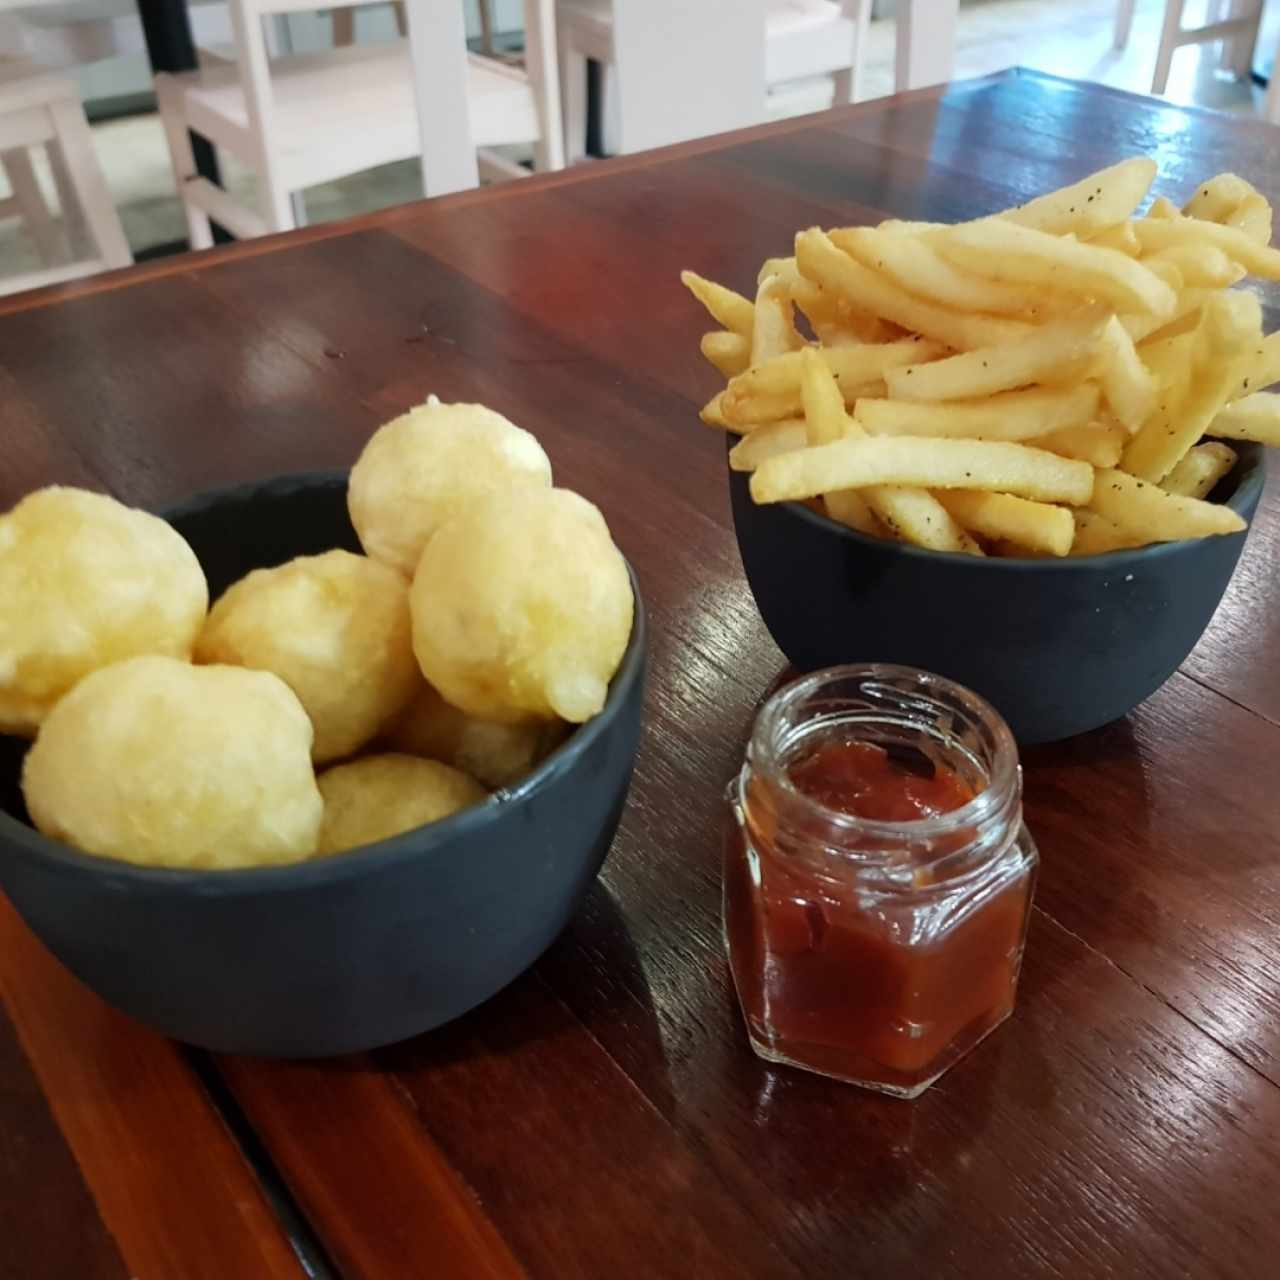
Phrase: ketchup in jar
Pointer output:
(877, 877)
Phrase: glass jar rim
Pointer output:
(1002, 777)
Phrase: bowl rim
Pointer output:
(364, 859)
(1252, 477)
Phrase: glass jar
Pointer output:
(877, 952)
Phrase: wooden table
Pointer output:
(604, 1116)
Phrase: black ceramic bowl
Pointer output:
(1057, 646)
(343, 953)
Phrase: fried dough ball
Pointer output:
(522, 608)
(335, 628)
(157, 762)
(496, 754)
(430, 464)
(84, 582)
(381, 796)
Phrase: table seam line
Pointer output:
(1208, 688)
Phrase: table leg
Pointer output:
(166, 28)
(925, 43)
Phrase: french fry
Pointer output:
(766, 442)
(924, 463)
(1089, 206)
(911, 514)
(1127, 384)
(1261, 367)
(1011, 415)
(712, 413)
(1256, 417)
(850, 508)
(746, 411)
(1162, 209)
(1187, 308)
(1253, 217)
(853, 367)
(1096, 534)
(1231, 322)
(1257, 259)
(1038, 526)
(773, 329)
(1201, 469)
(1020, 255)
(1057, 352)
(1119, 236)
(834, 321)
(1200, 266)
(921, 270)
(1100, 444)
(1218, 197)
(729, 352)
(784, 267)
(730, 310)
(829, 266)
(1149, 513)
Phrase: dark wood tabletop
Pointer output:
(604, 1115)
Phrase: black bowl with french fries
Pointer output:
(1022, 451)
(1059, 646)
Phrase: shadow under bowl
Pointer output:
(1058, 646)
(344, 953)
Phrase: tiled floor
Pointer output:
(1071, 38)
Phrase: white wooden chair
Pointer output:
(804, 40)
(304, 119)
(1233, 21)
(39, 108)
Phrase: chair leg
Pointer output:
(85, 176)
(182, 159)
(73, 224)
(30, 202)
(1238, 50)
(573, 101)
(1169, 34)
(1271, 106)
(611, 141)
(298, 207)
(344, 26)
(1124, 22)
(277, 203)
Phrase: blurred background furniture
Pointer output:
(1235, 22)
(303, 119)
(40, 108)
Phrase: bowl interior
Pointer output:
(257, 526)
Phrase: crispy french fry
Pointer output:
(1150, 514)
(921, 270)
(1253, 217)
(1057, 352)
(1011, 415)
(1187, 308)
(1200, 266)
(1096, 534)
(1093, 204)
(1020, 255)
(767, 441)
(1231, 322)
(924, 463)
(1257, 259)
(784, 267)
(1256, 417)
(1260, 368)
(1039, 526)
(824, 263)
(852, 366)
(850, 508)
(824, 415)
(834, 321)
(1127, 384)
(1162, 208)
(1201, 469)
(917, 516)
(1218, 197)
(1119, 236)
(1100, 444)
(745, 411)
(729, 352)
(773, 330)
(712, 413)
(728, 309)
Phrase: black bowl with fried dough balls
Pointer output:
(348, 952)
(1057, 646)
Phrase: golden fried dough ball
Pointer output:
(496, 754)
(335, 628)
(161, 763)
(86, 581)
(522, 608)
(430, 464)
(381, 796)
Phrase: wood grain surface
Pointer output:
(604, 1115)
